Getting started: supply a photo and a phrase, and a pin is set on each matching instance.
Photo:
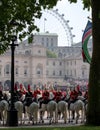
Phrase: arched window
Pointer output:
(7, 69)
(39, 70)
(25, 71)
(0, 70)
(27, 52)
(16, 71)
(84, 69)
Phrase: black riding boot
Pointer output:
(73, 115)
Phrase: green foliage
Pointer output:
(17, 15)
(86, 3)
(51, 54)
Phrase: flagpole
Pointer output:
(44, 24)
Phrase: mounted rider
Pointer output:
(1, 94)
(73, 96)
(28, 97)
(22, 90)
(77, 88)
(36, 92)
(45, 97)
(86, 97)
(16, 93)
(58, 95)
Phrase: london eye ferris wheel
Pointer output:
(54, 22)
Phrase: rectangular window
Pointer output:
(25, 72)
(47, 72)
(60, 73)
(47, 63)
(16, 71)
(53, 63)
(0, 71)
(25, 61)
(60, 63)
(53, 72)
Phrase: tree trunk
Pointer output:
(93, 113)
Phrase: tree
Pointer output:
(17, 15)
(93, 113)
(51, 54)
(24, 13)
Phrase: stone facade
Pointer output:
(32, 66)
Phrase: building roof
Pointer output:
(46, 34)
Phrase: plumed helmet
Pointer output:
(29, 88)
(15, 88)
(78, 87)
(21, 86)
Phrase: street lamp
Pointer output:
(12, 117)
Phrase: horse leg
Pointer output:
(83, 115)
(41, 116)
(56, 115)
(48, 115)
(69, 112)
(35, 117)
(73, 115)
(65, 116)
(50, 118)
(77, 116)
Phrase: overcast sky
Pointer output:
(74, 13)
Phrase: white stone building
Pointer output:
(32, 66)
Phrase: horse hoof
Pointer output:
(64, 122)
(49, 123)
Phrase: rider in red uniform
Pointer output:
(73, 97)
(45, 97)
(86, 95)
(17, 94)
(45, 94)
(22, 90)
(52, 91)
(35, 93)
(58, 95)
(28, 97)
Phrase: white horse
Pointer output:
(3, 110)
(52, 110)
(63, 108)
(32, 111)
(19, 108)
(42, 112)
(77, 107)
